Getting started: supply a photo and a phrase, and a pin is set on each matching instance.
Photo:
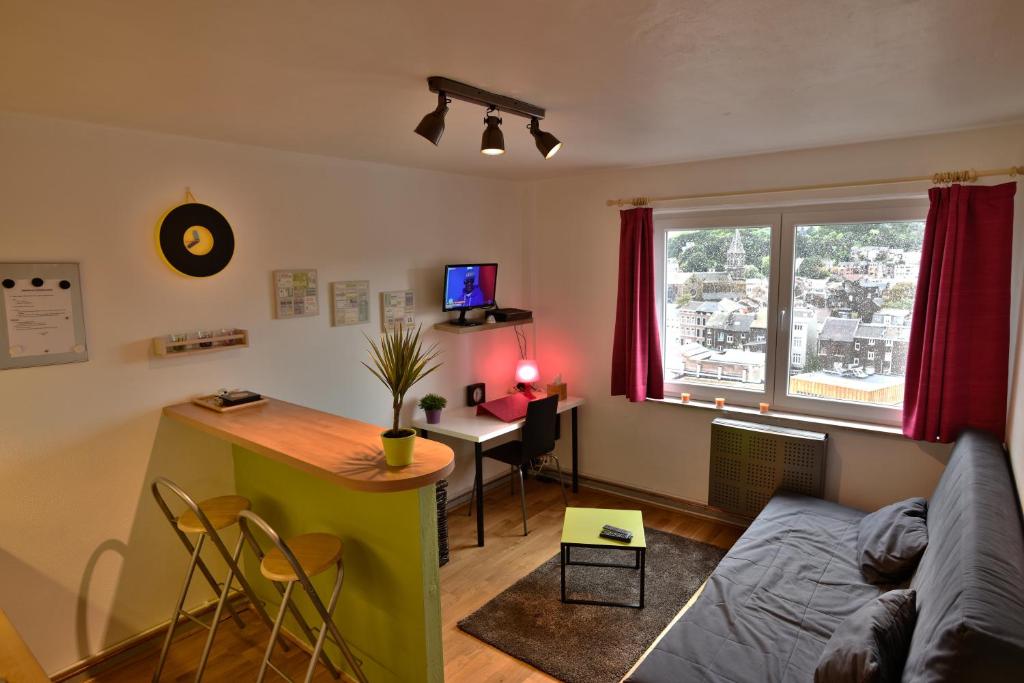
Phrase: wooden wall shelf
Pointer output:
(187, 345)
(460, 329)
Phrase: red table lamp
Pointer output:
(527, 373)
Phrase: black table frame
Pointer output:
(565, 560)
(478, 476)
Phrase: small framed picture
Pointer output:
(476, 394)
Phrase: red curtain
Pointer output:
(636, 353)
(487, 279)
(958, 361)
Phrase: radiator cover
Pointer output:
(750, 462)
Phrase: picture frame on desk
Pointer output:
(476, 394)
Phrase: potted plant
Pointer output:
(399, 362)
(432, 405)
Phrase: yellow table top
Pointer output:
(582, 526)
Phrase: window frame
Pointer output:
(782, 221)
(718, 220)
(866, 212)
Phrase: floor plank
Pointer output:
(472, 577)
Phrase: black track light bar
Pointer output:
(470, 93)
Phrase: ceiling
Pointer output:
(625, 83)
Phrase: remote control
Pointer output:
(617, 530)
(616, 536)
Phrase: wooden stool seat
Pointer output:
(222, 512)
(314, 552)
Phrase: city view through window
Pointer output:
(853, 292)
(716, 303)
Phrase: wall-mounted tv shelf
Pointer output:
(462, 329)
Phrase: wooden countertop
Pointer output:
(17, 664)
(337, 448)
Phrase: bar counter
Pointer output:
(309, 471)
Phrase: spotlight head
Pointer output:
(432, 125)
(493, 141)
(547, 144)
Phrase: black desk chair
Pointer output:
(534, 449)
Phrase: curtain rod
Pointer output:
(968, 176)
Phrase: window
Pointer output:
(841, 280)
(723, 273)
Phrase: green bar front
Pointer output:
(390, 610)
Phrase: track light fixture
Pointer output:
(547, 143)
(493, 141)
(432, 125)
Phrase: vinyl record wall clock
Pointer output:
(195, 240)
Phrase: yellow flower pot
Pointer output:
(398, 450)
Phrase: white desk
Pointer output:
(465, 424)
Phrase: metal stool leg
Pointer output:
(177, 609)
(275, 631)
(522, 500)
(336, 636)
(208, 575)
(220, 608)
(561, 481)
(318, 648)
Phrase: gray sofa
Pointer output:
(773, 602)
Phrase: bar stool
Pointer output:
(296, 561)
(205, 519)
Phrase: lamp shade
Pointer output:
(527, 372)
(547, 144)
(493, 142)
(432, 125)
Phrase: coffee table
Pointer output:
(582, 528)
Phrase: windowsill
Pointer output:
(777, 415)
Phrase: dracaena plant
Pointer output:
(400, 361)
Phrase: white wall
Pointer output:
(572, 248)
(85, 559)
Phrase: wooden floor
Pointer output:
(472, 577)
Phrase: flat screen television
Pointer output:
(468, 286)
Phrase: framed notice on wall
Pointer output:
(397, 308)
(296, 294)
(351, 302)
(41, 315)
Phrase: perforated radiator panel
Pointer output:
(750, 462)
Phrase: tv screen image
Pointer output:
(469, 286)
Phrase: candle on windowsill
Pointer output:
(763, 407)
(685, 397)
(719, 402)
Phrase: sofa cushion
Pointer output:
(890, 541)
(871, 645)
(970, 581)
(772, 603)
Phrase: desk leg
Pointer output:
(575, 454)
(478, 451)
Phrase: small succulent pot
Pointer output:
(432, 405)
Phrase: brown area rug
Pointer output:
(587, 643)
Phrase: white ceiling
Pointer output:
(625, 83)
